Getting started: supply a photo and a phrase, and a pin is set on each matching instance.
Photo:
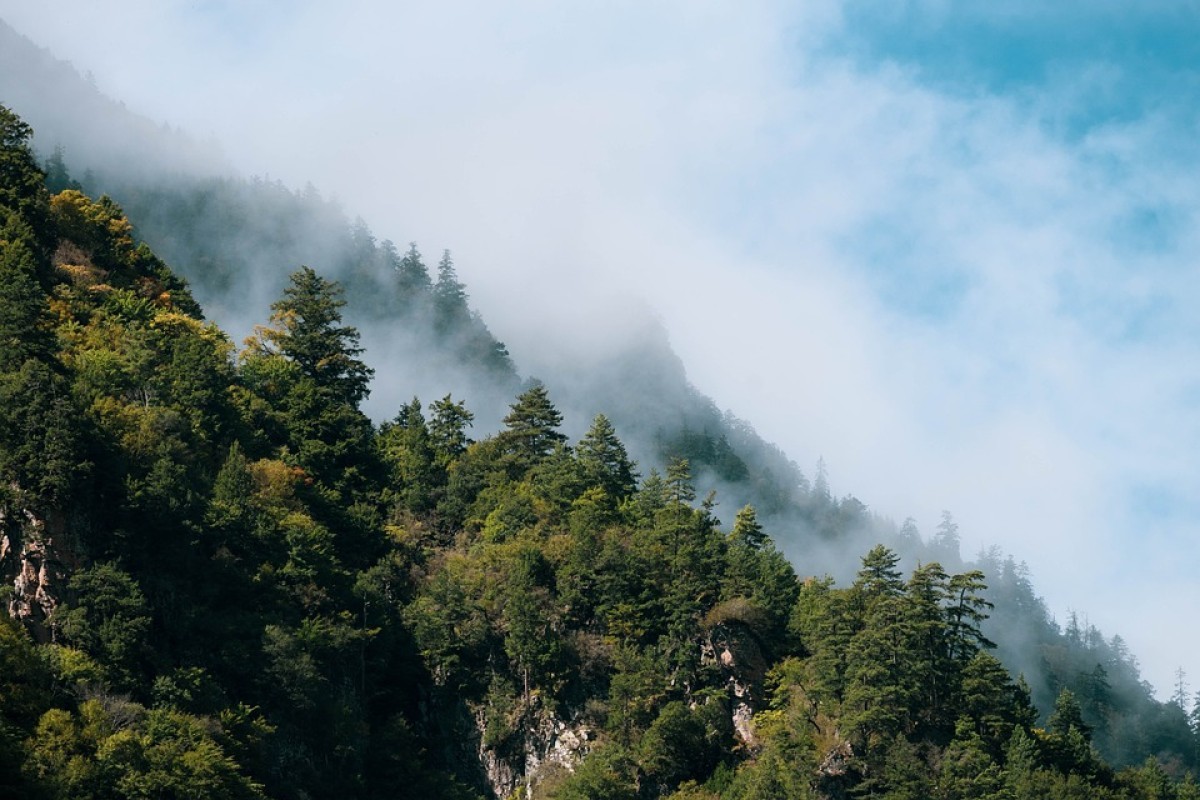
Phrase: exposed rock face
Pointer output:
(545, 744)
(36, 560)
(836, 762)
(500, 773)
(734, 647)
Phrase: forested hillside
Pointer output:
(228, 582)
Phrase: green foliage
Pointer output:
(24, 319)
(448, 428)
(114, 748)
(24, 691)
(607, 773)
(109, 621)
(528, 621)
(306, 329)
(746, 529)
(412, 277)
(531, 428)
(416, 476)
(449, 296)
(604, 462)
(42, 449)
(22, 183)
(879, 575)
(683, 744)
(1067, 716)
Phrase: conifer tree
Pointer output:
(747, 530)
(448, 427)
(966, 610)
(946, 541)
(305, 369)
(306, 329)
(879, 575)
(408, 453)
(449, 296)
(22, 183)
(57, 177)
(531, 427)
(1067, 715)
(604, 460)
(41, 443)
(679, 488)
(412, 277)
(24, 324)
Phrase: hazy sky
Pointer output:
(950, 247)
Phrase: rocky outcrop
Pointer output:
(735, 649)
(541, 745)
(37, 557)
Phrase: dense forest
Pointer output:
(228, 581)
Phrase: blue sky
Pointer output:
(950, 247)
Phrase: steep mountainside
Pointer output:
(225, 573)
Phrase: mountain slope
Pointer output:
(236, 241)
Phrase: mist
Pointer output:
(971, 294)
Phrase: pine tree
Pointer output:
(946, 541)
(306, 329)
(821, 483)
(680, 491)
(879, 575)
(22, 183)
(57, 177)
(605, 462)
(408, 454)
(747, 530)
(412, 278)
(449, 296)
(966, 611)
(531, 428)
(24, 324)
(41, 443)
(448, 428)
(1067, 715)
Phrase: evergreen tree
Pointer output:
(821, 483)
(930, 669)
(965, 613)
(1067, 716)
(412, 278)
(605, 462)
(529, 640)
(746, 529)
(58, 179)
(680, 491)
(22, 183)
(24, 322)
(406, 449)
(879, 575)
(42, 442)
(306, 329)
(946, 541)
(110, 621)
(448, 428)
(449, 297)
(531, 428)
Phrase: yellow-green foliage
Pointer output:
(114, 744)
